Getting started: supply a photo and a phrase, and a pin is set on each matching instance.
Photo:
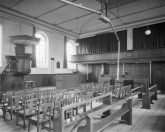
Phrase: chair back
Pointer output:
(30, 104)
(44, 108)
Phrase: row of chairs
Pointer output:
(27, 104)
(40, 106)
(121, 92)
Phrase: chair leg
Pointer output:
(37, 127)
(4, 115)
(42, 125)
(24, 123)
(11, 115)
(16, 119)
(50, 123)
(28, 124)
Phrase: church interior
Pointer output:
(82, 65)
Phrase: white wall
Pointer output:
(56, 45)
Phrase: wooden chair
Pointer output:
(41, 118)
(116, 95)
(44, 93)
(127, 91)
(124, 92)
(32, 95)
(121, 92)
(12, 105)
(27, 111)
(1, 99)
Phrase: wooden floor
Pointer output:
(143, 120)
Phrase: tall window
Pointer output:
(41, 51)
(70, 51)
(1, 45)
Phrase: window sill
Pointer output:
(39, 67)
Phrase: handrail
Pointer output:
(10, 66)
(5, 67)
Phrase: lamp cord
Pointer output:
(147, 14)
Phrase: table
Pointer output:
(32, 83)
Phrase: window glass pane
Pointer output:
(70, 51)
(41, 51)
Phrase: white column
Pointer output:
(150, 71)
(102, 69)
(87, 71)
(1, 45)
(123, 68)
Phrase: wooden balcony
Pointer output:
(154, 54)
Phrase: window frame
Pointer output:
(46, 49)
(74, 52)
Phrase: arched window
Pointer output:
(70, 51)
(1, 45)
(41, 51)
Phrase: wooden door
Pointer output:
(158, 74)
(96, 73)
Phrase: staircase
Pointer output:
(10, 67)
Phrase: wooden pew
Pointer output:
(125, 112)
(60, 123)
(141, 92)
(149, 96)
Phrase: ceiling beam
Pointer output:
(21, 17)
(81, 7)
(110, 7)
(127, 15)
(16, 3)
(54, 9)
(74, 18)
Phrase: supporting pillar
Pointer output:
(102, 69)
(87, 72)
(123, 68)
(150, 71)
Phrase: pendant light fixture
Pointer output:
(147, 32)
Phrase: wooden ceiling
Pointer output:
(72, 21)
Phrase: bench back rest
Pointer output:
(138, 90)
(82, 100)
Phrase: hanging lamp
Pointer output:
(147, 32)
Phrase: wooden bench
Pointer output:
(140, 91)
(60, 123)
(125, 112)
(149, 96)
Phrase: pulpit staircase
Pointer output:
(9, 68)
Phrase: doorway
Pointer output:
(158, 70)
